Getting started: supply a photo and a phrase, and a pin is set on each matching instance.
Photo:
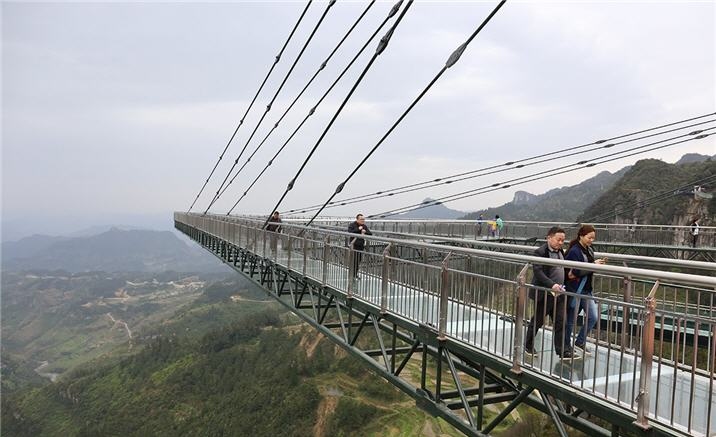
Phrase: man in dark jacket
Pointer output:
(549, 303)
(274, 227)
(357, 244)
(274, 223)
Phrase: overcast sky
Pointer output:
(116, 112)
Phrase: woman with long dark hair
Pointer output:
(580, 282)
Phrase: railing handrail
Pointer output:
(670, 262)
(506, 222)
(686, 278)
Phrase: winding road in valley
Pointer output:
(115, 321)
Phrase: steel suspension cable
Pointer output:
(273, 99)
(276, 60)
(452, 60)
(310, 81)
(480, 172)
(392, 12)
(697, 135)
(381, 47)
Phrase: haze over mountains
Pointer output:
(439, 211)
(115, 250)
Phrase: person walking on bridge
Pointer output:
(694, 232)
(499, 224)
(274, 223)
(580, 282)
(480, 221)
(357, 244)
(552, 302)
(274, 227)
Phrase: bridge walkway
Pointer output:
(473, 305)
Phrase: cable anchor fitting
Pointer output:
(395, 9)
(455, 56)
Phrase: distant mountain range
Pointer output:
(115, 250)
(559, 205)
(438, 211)
(99, 229)
(694, 157)
(590, 198)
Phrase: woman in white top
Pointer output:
(694, 232)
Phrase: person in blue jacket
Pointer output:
(580, 282)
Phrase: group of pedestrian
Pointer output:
(494, 227)
(357, 244)
(551, 282)
(550, 299)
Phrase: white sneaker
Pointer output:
(530, 354)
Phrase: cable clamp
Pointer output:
(395, 8)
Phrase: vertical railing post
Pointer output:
(351, 269)
(324, 275)
(520, 299)
(385, 280)
(626, 316)
(274, 245)
(424, 277)
(444, 297)
(288, 255)
(305, 254)
(263, 243)
(647, 352)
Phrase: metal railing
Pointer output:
(671, 297)
(649, 352)
(662, 235)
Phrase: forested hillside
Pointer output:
(597, 198)
(559, 205)
(261, 375)
(230, 362)
(655, 192)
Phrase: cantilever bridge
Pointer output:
(457, 306)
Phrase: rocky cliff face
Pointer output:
(695, 208)
(524, 198)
